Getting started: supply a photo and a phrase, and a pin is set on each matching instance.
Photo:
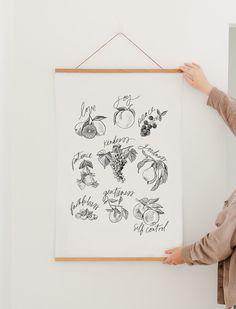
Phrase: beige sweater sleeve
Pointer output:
(226, 107)
(215, 246)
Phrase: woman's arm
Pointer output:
(225, 105)
(214, 247)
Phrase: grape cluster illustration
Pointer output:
(117, 159)
(118, 162)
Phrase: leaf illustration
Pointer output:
(125, 213)
(121, 109)
(163, 113)
(142, 163)
(114, 117)
(86, 163)
(160, 211)
(156, 185)
(164, 173)
(74, 160)
(99, 118)
(104, 158)
(144, 201)
(156, 206)
(132, 155)
(86, 122)
(154, 200)
(116, 211)
(158, 112)
(132, 111)
(113, 200)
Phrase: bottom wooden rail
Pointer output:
(109, 259)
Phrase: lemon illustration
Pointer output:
(100, 127)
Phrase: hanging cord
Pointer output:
(119, 33)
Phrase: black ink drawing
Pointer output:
(116, 210)
(91, 127)
(157, 171)
(117, 159)
(124, 116)
(87, 177)
(151, 123)
(85, 214)
(148, 211)
(79, 156)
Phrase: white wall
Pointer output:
(62, 33)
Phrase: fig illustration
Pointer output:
(139, 210)
(124, 117)
(151, 217)
(150, 174)
(89, 131)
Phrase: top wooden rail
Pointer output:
(64, 70)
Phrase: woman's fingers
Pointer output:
(188, 79)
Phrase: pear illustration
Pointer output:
(150, 174)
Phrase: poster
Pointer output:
(119, 170)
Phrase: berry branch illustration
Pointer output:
(91, 127)
(156, 173)
(148, 210)
(117, 158)
(86, 175)
(124, 116)
(116, 210)
(151, 123)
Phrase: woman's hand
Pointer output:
(195, 77)
(175, 257)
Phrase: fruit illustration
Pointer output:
(115, 215)
(157, 171)
(87, 178)
(148, 210)
(124, 117)
(89, 131)
(91, 127)
(116, 210)
(151, 217)
(85, 214)
(117, 158)
(139, 210)
(151, 123)
(150, 174)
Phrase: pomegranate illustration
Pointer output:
(87, 178)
